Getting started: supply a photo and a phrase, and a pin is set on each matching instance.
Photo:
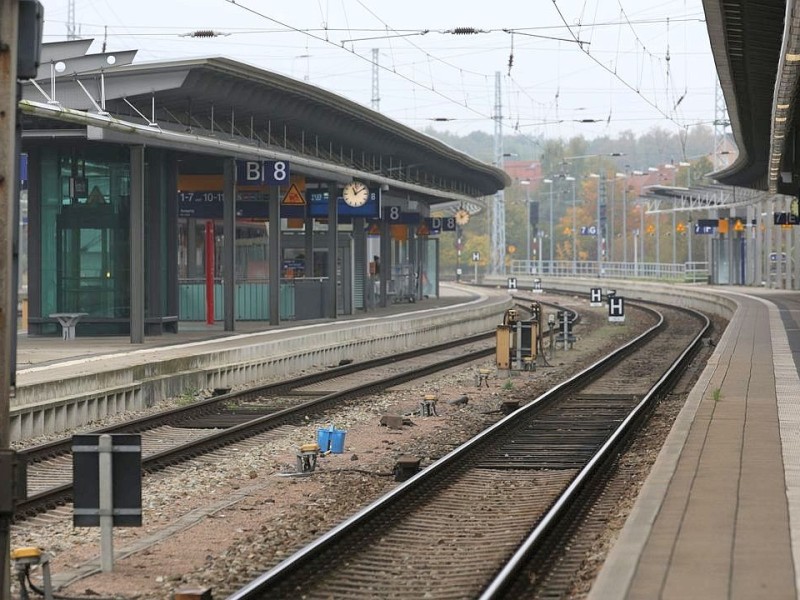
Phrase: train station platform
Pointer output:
(38, 351)
(66, 383)
(719, 515)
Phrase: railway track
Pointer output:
(182, 433)
(486, 520)
(185, 432)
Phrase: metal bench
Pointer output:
(68, 321)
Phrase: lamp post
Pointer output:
(656, 241)
(674, 170)
(574, 228)
(688, 172)
(598, 228)
(550, 218)
(527, 183)
(641, 233)
(624, 177)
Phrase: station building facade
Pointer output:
(134, 179)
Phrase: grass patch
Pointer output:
(187, 397)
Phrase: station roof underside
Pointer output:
(328, 137)
(748, 41)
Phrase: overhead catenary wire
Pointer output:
(458, 88)
(356, 54)
(652, 103)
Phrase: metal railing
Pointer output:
(694, 272)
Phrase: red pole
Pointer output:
(210, 272)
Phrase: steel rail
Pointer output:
(63, 446)
(281, 571)
(599, 462)
(62, 494)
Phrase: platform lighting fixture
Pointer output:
(792, 57)
(598, 235)
(624, 177)
(782, 106)
(550, 256)
(685, 163)
(780, 119)
(527, 182)
(574, 227)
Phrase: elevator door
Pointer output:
(93, 263)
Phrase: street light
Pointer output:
(674, 169)
(641, 232)
(624, 177)
(598, 229)
(688, 172)
(550, 181)
(574, 228)
(527, 183)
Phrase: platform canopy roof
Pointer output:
(757, 53)
(225, 107)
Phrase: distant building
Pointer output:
(523, 170)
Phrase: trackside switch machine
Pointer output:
(517, 340)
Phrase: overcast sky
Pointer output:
(642, 63)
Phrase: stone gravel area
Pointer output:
(206, 522)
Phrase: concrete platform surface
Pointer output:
(719, 515)
(40, 351)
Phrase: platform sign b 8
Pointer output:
(262, 172)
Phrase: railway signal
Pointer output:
(595, 297)
(616, 309)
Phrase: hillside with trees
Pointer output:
(565, 174)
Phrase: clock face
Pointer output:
(355, 194)
(462, 216)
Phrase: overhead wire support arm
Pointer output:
(581, 43)
(386, 37)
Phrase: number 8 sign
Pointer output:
(269, 172)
